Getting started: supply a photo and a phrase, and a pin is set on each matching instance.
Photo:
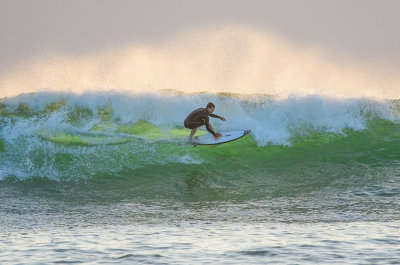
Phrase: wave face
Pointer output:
(103, 136)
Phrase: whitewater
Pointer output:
(95, 164)
(65, 135)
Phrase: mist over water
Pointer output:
(235, 59)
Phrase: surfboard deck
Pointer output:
(208, 139)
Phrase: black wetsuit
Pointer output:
(199, 118)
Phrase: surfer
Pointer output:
(200, 117)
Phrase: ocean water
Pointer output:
(109, 177)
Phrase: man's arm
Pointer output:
(216, 116)
(208, 127)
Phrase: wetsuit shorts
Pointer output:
(193, 124)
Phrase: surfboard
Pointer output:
(208, 139)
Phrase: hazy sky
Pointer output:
(367, 30)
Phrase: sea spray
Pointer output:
(233, 58)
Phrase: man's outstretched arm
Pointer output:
(216, 116)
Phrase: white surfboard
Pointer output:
(208, 139)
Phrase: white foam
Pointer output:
(187, 159)
(272, 121)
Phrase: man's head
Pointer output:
(210, 107)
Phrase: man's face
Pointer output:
(210, 110)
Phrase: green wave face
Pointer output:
(2, 146)
(138, 142)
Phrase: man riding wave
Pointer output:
(200, 117)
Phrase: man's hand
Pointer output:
(217, 136)
(223, 119)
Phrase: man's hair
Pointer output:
(210, 105)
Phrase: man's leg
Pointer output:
(193, 132)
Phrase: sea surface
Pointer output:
(109, 177)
